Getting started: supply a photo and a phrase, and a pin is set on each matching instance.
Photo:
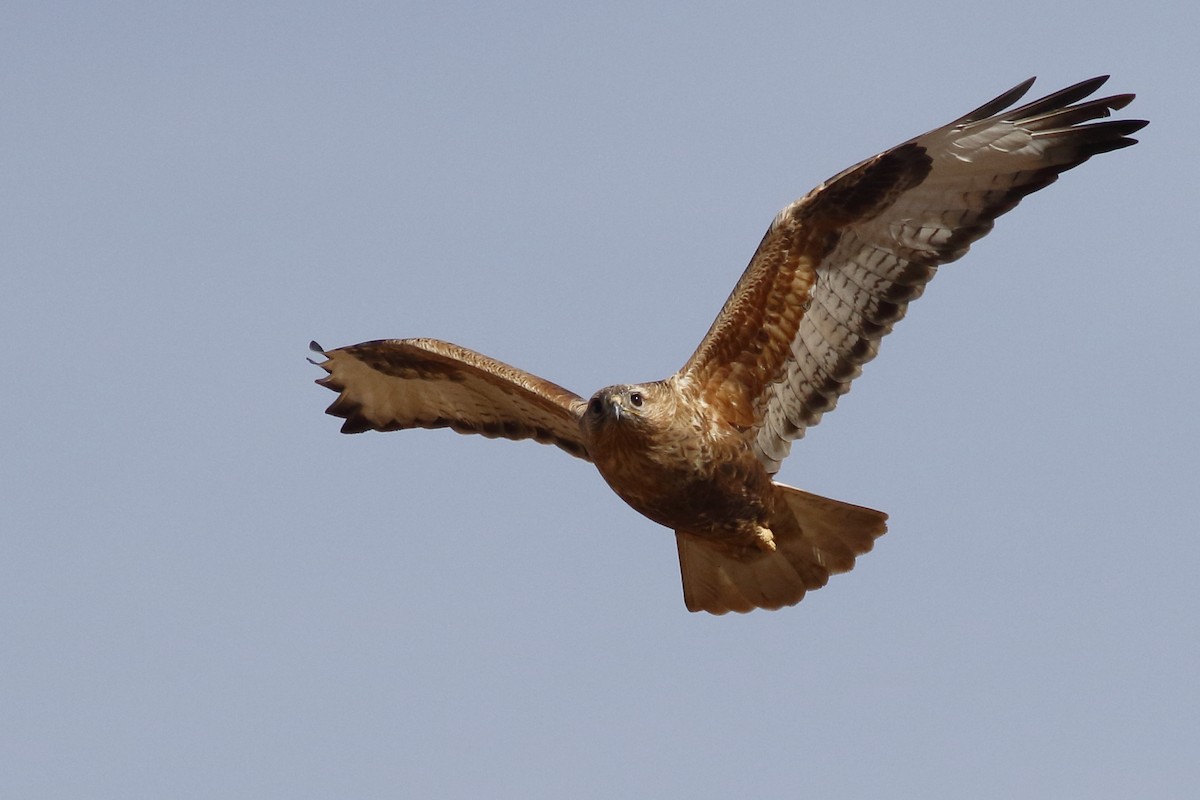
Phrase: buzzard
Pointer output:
(696, 452)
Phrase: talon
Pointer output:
(764, 539)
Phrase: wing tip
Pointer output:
(1056, 100)
(316, 348)
(998, 104)
(1119, 101)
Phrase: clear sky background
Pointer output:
(207, 592)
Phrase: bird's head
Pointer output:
(625, 409)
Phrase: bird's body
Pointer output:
(674, 464)
(697, 451)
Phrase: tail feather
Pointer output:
(815, 537)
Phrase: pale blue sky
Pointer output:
(207, 592)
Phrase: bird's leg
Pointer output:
(764, 539)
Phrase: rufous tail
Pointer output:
(814, 537)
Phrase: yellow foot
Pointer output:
(764, 539)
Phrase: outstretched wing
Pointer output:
(837, 268)
(425, 383)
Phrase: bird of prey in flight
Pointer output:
(697, 451)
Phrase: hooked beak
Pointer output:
(617, 405)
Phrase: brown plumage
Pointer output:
(696, 452)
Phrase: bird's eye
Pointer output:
(636, 399)
(595, 407)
